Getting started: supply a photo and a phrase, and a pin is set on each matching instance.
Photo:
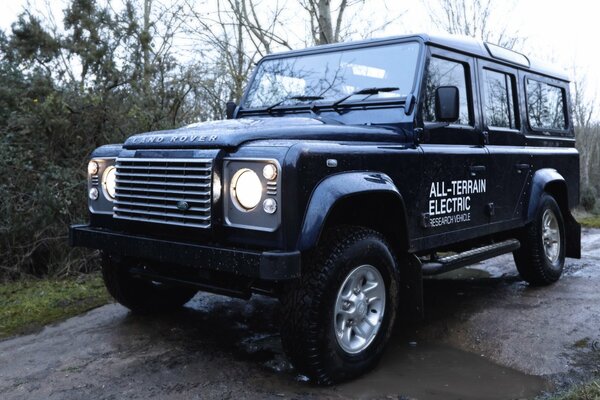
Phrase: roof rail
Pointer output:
(504, 54)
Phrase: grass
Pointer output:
(588, 391)
(28, 305)
(589, 221)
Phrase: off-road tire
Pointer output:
(307, 330)
(138, 295)
(531, 260)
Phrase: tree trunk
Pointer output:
(145, 43)
(324, 22)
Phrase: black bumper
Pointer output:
(271, 266)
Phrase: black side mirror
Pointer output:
(446, 104)
(230, 109)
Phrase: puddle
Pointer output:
(415, 370)
(440, 372)
(467, 273)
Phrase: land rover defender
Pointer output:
(346, 175)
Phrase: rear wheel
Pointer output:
(140, 295)
(541, 258)
(338, 316)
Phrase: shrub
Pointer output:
(588, 198)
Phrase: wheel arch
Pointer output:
(550, 181)
(367, 199)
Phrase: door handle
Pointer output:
(475, 169)
(484, 138)
(522, 167)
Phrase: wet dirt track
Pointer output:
(487, 335)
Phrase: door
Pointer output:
(509, 161)
(455, 163)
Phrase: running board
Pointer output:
(469, 257)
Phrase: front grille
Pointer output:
(164, 191)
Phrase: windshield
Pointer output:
(332, 75)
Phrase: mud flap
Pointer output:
(573, 235)
(411, 289)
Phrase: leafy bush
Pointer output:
(52, 118)
(588, 198)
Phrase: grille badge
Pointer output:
(183, 205)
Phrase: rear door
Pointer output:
(455, 164)
(509, 161)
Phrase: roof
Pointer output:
(463, 44)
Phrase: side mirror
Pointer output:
(230, 109)
(446, 104)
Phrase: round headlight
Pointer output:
(93, 168)
(246, 188)
(109, 182)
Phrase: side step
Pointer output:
(469, 257)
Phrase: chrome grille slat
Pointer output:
(164, 206)
(169, 176)
(175, 199)
(154, 168)
(161, 214)
(171, 191)
(161, 183)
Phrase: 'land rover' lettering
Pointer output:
(175, 139)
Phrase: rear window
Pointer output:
(546, 106)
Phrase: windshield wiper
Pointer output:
(300, 98)
(369, 91)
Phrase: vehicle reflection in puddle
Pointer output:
(408, 368)
(439, 372)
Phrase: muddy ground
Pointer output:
(487, 335)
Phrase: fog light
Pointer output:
(93, 168)
(270, 206)
(93, 194)
(270, 172)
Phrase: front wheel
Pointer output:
(138, 295)
(541, 258)
(339, 315)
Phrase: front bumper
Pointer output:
(268, 265)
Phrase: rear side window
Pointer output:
(499, 99)
(446, 73)
(546, 106)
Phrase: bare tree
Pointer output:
(230, 36)
(230, 40)
(586, 129)
(335, 21)
(475, 18)
(325, 24)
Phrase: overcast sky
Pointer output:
(565, 33)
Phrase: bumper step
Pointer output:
(262, 265)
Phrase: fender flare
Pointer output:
(546, 180)
(540, 181)
(331, 190)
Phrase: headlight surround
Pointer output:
(109, 182)
(246, 189)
